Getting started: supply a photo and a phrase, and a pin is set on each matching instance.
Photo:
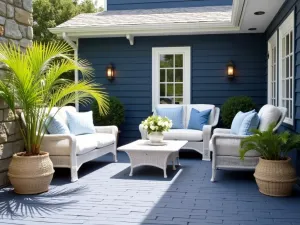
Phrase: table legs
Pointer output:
(150, 158)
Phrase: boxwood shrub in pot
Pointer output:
(34, 83)
(274, 173)
(232, 106)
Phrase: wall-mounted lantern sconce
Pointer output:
(230, 70)
(110, 72)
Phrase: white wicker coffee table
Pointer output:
(142, 154)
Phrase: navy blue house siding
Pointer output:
(210, 54)
(285, 11)
(151, 4)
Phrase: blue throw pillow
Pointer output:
(238, 120)
(250, 122)
(198, 119)
(175, 114)
(56, 125)
(81, 123)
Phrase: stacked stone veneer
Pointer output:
(16, 21)
(15, 27)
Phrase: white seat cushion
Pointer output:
(268, 114)
(183, 134)
(89, 142)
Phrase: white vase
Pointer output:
(156, 137)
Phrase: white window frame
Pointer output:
(272, 43)
(286, 27)
(156, 52)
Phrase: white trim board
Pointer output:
(271, 44)
(156, 52)
(287, 26)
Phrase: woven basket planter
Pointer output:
(275, 178)
(30, 174)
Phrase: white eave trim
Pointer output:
(157, 29)
(145, 29)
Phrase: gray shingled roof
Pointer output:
(208, 14)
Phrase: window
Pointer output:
(171, 72)
(272, 70)
(286, 67)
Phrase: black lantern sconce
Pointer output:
(110, 72)
(230, 70)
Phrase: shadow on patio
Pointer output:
(14, 206)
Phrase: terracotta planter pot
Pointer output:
(275, 178)
(30, 174)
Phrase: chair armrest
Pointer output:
(107, 129)
(143, 132)
(207, 131)
(53, 143)
(223, 142)
(222, 131)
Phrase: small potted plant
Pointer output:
(34, 83)
(155, 126)
(274, 173)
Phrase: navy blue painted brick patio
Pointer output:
(106, 195)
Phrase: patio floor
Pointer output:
(105, 194)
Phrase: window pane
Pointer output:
(170, 91)
(170, 75)
(291, 66)
(283, 69)
(166, 61)
(287, 47)
(178, 89)
(178, 101)
(288, 108)
(162, 75)
(162, 90)
(291, 42)
(178, 75)
(166, 100)
(291, 89)
(287, 67)
(178, 61)
(283, 88)
(287, 89)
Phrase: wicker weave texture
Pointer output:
(30, 174)
(275, 178)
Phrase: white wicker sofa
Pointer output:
(70, 151)
(225, 146)
(197, 140)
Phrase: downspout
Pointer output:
(75, 48)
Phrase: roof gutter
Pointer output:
(75, 48)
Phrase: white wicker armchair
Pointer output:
(225, 146)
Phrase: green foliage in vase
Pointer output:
(115, 115)
(232, 106)
(34, 84)
(271, 146)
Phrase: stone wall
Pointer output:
(15, 27)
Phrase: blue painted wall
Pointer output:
(210, 54)
(151, 4)
(284, 12)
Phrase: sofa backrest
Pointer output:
(187, 111)
(62, 112)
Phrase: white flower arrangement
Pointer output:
(156, 124)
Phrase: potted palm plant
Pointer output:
(34, 83)
(274, 173)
